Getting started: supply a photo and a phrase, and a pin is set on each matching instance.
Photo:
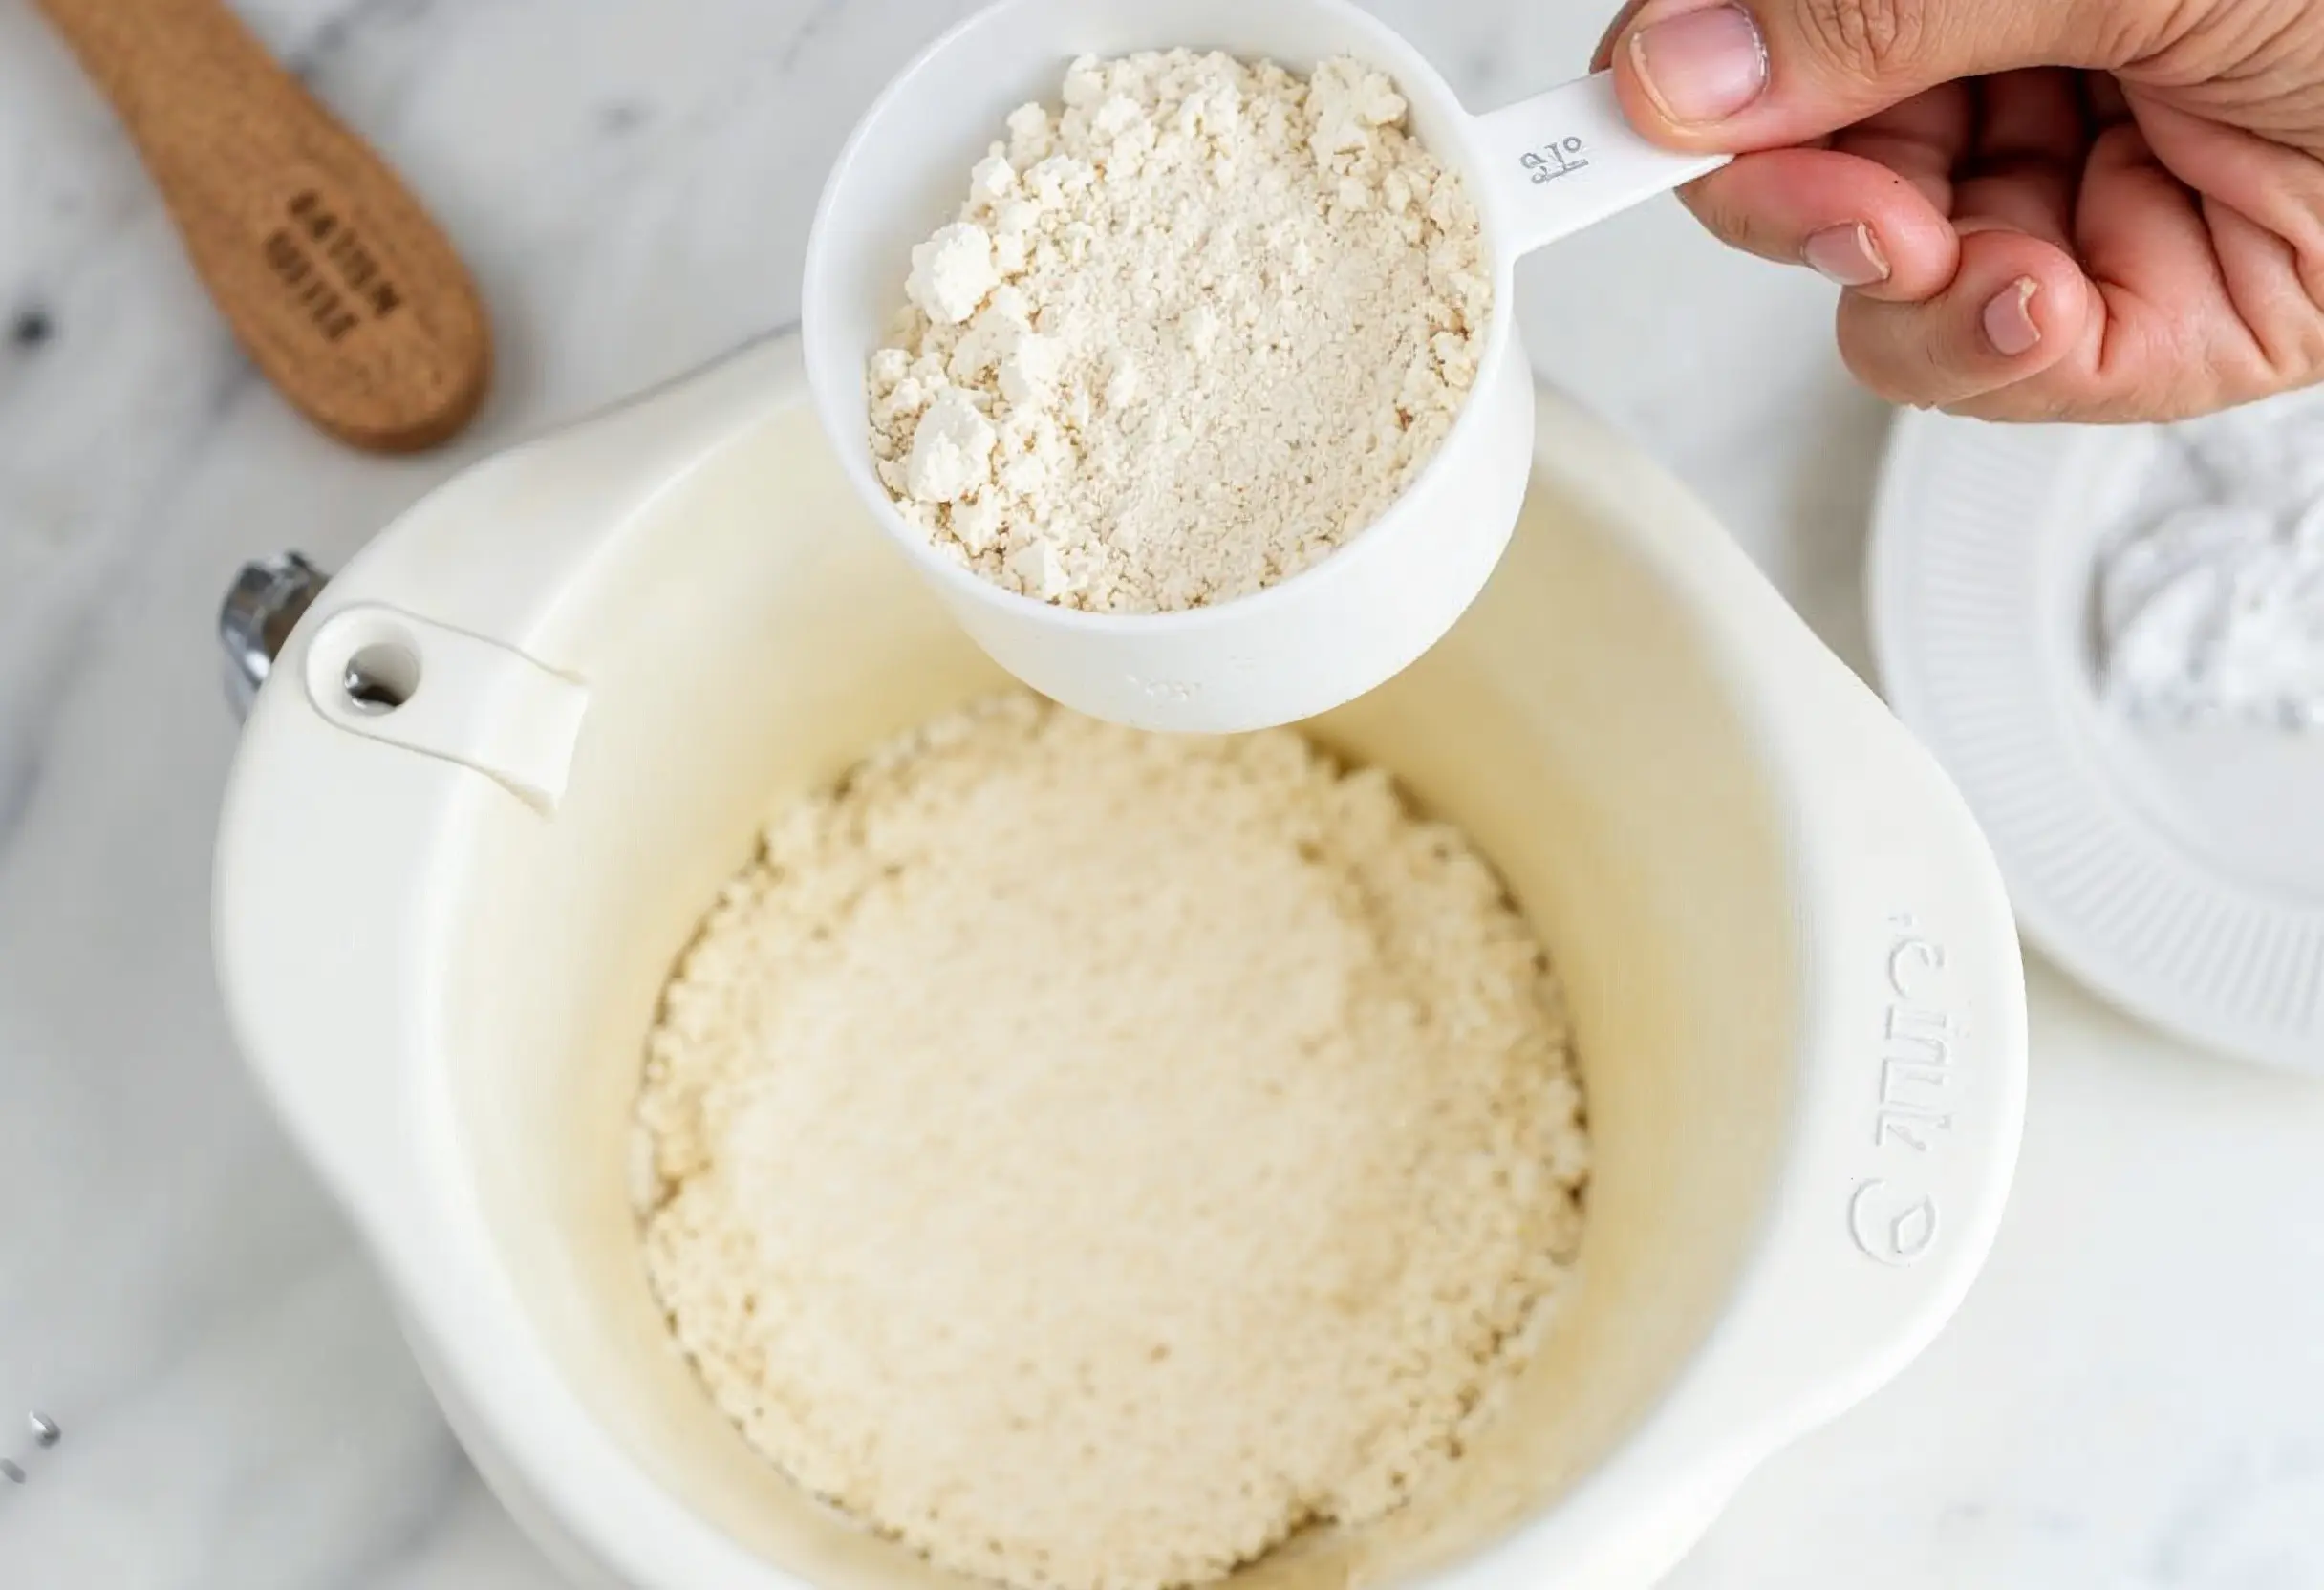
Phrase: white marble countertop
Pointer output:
(2133, 1395)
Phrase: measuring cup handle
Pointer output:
(1568, 159)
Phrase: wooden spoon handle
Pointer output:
(344, 292)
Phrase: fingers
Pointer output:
(2199, 287)
(2138, 225)
(2015, 307)
(2269, 179)
(1768, 72)
(2034, 114)
(2102, 98)
(1852, 220)
(1922, 139)
(2266, 284)
(2025, 162)
(2177, 304)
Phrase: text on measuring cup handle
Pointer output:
(1560, 157)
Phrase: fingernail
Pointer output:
(2008, 318)
(1704, 66)
(1849, 255)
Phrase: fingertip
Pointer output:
(2016, 305)
(1849, 253)
(2008, 321)
(1849, 219)
(1683, 68)
(2029, 297)
(1919, 246)
(1638, 106)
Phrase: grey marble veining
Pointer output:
(2134, 1396)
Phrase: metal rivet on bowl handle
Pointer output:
(261, 609)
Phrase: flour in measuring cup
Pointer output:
(2211, 603)
(1188, 334)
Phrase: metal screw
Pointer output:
(266, 600)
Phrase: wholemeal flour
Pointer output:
(1091, 1156)
(1186, 337)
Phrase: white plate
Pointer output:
(2176, 870)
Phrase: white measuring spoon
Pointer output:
(1540, 169)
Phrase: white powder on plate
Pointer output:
(2210, 603)
(1091, 1156)
(1186, 337)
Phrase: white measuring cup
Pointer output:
(1539, 169)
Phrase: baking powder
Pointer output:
(2211, 603)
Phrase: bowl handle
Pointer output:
(336, 821)
(1910, 1091)
(1903, 1129)
(1910, 1057)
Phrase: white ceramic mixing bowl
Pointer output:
(1539, 169)
(443, 926)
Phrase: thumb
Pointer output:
(1764, 74)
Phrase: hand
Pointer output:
(2040, 209)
